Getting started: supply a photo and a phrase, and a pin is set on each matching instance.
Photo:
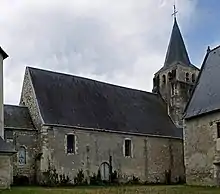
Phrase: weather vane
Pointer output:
(174, 10)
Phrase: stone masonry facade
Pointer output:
(151, 156)
(175, 85)
(202, 150)
(28, 139)
(6, 171)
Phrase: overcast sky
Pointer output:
(117, 41)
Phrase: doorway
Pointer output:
(104, 171)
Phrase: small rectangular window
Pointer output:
(127, 148)
(71, 144)
(218, 129)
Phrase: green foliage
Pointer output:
(80, 178)
(64, 180)
(96, 179)
(52, 179)
(114, 177)
(134, 181)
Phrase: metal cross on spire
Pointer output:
(174, 10)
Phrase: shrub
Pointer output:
(134, 181)
(79, 179)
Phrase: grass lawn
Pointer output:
(114, 190)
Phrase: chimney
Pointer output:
(3, 55)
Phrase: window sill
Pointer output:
(21, 165)
(71, 154)
(128, 156)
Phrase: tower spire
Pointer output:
(174, 10)
(176, 51)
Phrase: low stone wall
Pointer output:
(5, 171)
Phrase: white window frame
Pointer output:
(131, 148)
(75, 142)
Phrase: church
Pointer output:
(73, 123)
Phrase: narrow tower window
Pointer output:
(164, 79)
(218, 129)
(170, 76)
(174, 73)
(187, 77)
(193, 78)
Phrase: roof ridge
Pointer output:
(76, 76)
(214, 48)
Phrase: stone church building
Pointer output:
(71, 123)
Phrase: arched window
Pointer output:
(193, 78)
(22, 155)
(187, 77)
(170, 76)
(164, 79)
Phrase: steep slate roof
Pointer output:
(176, 51)
(17, 117)
(206, 95)
(76, 101)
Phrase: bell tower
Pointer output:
(175, 80)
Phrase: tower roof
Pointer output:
(176, 51)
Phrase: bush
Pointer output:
(79, 179)
(114, 177)
(64, 180)
(134, 181)
(50, 178)
(96, 179)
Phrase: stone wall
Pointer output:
(28, 99)
(5, 171)
(28, 140)
(201, 150)
(175, 90)
(151, 156)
